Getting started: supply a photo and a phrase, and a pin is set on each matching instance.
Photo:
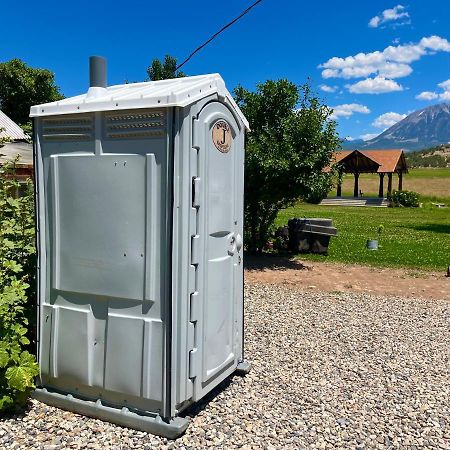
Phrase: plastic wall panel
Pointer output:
(134, 357)
(72, 356)
(218, 340)
(98, 234)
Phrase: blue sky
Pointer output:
(403, 48)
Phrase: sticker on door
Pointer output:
(221, 136)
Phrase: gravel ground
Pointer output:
(331, 371)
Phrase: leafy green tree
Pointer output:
(292, 140)
(22, 86)
(164, 70)
(18, 366)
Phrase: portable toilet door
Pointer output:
(139, 193)
(219, 273)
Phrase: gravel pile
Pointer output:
(329, 371)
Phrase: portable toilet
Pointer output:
(140, 275)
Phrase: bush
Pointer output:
(317, 194)
(408, 199)
(18, 366)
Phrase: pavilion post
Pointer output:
(356, 188)
(389, 186)
(339, 184)
(400, 181)
(381, 189)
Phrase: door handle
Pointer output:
(235, 244)
(232, 250)
(239, 242)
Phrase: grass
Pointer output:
(432, 183)
(416, 238)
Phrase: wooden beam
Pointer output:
(356, 188)
(389, 187)
(381, 189)
(339, 184)
(400, 181)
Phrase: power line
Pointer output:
(243, 13)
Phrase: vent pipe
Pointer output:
(97, 71)
(97, 76)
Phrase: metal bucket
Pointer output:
(372, 244)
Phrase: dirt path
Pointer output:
(330, 277)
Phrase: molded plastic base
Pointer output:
(243, 368)
(124, 417)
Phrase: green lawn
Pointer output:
(427, 172)
(413, 237)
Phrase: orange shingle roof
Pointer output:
(391, 160)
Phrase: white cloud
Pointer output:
(445, 85)
(374, 22)
(392, 62)
(445, 95)
(435, 43)
(348, 109)
(368, 136)
(326, 88)
(427, 95)
(390, 15)
(388, 119)
(377, 85)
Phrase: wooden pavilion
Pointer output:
(382, 162)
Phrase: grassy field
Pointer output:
(432, 184)
(413, 237)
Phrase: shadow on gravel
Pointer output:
(272, 262)
(198, 407)
(19, 413)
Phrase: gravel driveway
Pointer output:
(329, 371)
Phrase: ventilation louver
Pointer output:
(138, 125)
(68, 129)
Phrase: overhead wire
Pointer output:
(243, 13)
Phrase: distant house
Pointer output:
(18, 143)
(382, 162)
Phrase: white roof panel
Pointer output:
(151, 94)
(10, 129)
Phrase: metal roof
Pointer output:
(11, 149)
(10, 129)
(151, 94)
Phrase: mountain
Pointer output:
(425, 128)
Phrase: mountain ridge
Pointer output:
(424, 128)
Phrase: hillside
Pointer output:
(426, 128)
(432, 157)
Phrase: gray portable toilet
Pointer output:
(140, 275)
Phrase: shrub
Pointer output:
(408, 199)
(18, 366)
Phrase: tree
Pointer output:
(22, 86)
(164, 70)
(292, 140)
